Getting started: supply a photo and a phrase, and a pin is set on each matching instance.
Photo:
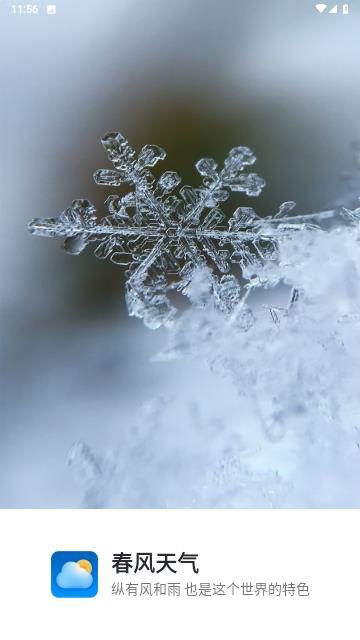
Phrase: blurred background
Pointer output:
(196, 77)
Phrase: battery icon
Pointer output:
(345, 9)
(51, 9)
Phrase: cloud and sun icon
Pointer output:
(74, 574)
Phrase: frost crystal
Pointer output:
(163, 236)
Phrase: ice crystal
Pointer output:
(163, 235)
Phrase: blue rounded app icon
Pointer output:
(74, 574)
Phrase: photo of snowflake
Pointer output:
(208, 357)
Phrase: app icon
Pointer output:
(74, 574)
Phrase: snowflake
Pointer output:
(162, 237)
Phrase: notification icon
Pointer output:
(51, 9)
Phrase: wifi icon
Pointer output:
(320, 7)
